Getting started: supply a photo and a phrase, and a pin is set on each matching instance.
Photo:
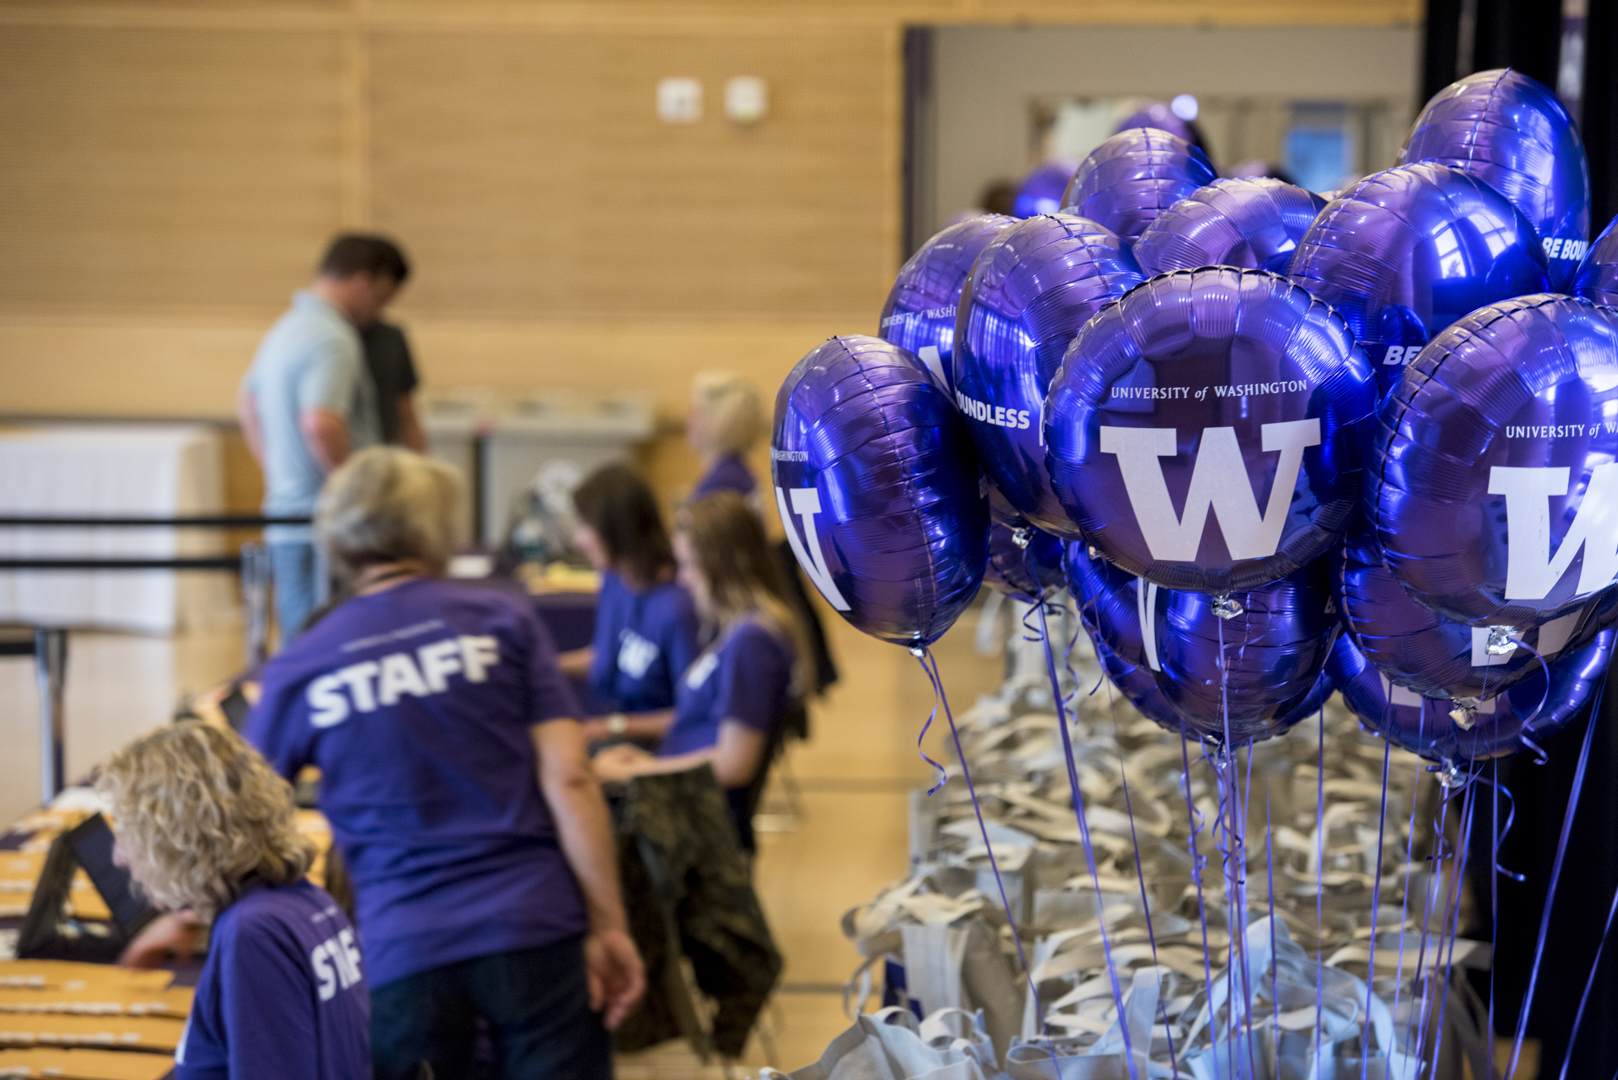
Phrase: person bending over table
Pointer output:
(456, 783)
(208, 831)
(646, 625)
(732, 695)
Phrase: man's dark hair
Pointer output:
(622, 510)
(365, 253)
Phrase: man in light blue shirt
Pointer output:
(308, 402)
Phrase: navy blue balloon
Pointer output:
(1512, 132)
(919, 316)
(1031, 290)
(1420, 650)
(878, 488)
(1028, 571)
(1208, 431)
(1428, 727)
(1134, 176)
(1494, 476)
(1251, 224)
(1404, 253)
(1273, 645)
(1041, 191)
(1597, 279)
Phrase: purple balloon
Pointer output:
(919, 316)
(1597, 279)
(1138, 686)
(1041, 191)
(1500, 726)
(1027, 571)
(1134, 176)
(878, 488)
(1494, 486)
(1422, 651)
(1160, 115)
(1512, 133)
(1404, 253)
(1031, 290)
(1251, 224)
(1213, 393)
(1275, 643)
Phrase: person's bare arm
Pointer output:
(735, 758)
(247, 417)
(411, 433)
(575, 663)
(326, 434)
(169, 938)
(584, 828)
(648, 726)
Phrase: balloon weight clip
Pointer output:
(1465, 712)
(1500, 641)
(1226, 608)
(1449, 775)
(1022, 537)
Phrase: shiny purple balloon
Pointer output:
(878, 488)
(1432, 727)
(919, 316)
(1597, 279)
(1493, 483)
(1160, 115)
(1512, 132)
(1404, 253)
(1041, 191)
(1025, 563)
(1236, 669)
(1208, 431)
(1251, 224)
(1422, 651)
(1031, 290)
(1134, 176)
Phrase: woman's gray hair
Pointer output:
(386, 504)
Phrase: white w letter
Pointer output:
(1531, 570)
(806, 501)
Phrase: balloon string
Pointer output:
(1376, 903)
(1193, 817)
(1528, 724)
(1556, 873)
(1404, 898)
(938, 694)
(1584, 998)
(1494, 897)
(924, 656)
(1320, 884)
(1084, 836)
(1140, 871)
(1436, 889)
(1275, 975)
(1469, 813)
(1235, 868)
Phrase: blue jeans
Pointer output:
(300, 584)
(535, 1002)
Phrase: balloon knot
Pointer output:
(1021, 537)
(1465, 712)
(1501, 640)
(1226, 608)
(1449, 775)
(918, 651)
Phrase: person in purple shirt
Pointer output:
(208, 831)
(456, 783)
(730, 699)
(723, 425)
(646, 625)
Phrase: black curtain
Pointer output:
(1600, 112)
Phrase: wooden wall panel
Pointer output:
(164, 167)
(530, 176)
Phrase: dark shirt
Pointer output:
(387, 354)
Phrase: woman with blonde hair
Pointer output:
(731, 697)
(207, 828)
(453, 772)
(725, 422)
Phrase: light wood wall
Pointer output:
(170, 169)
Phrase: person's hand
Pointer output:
(618, 764)
(170, 938)
(615, 975)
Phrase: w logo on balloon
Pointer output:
(806, 504)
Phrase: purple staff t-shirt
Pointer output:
(745, 677)
(728, 474)
(643, 641)
(416, 704)
(282, 994)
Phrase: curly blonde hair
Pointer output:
(198, 812)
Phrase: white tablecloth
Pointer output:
(110, 471)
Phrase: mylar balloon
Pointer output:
(1251, 224)
(1212, 395)
(1441, 730)
(1493, 487)
(920, 313)
(1025, 564)
(1422, 651)
(1134, 176)
(1404, 253)
(1041, 191)
(1597, 279)
(1137, 685)
(1512, 133)
(878, 488)
(1031, 290)
(1160, 115)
